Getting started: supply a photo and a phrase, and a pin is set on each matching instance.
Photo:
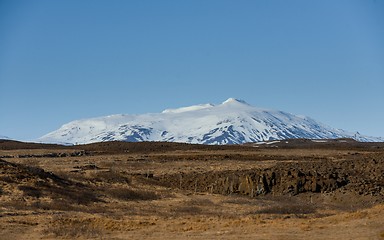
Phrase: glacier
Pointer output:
(231, 122)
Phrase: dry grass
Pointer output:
(126, 194)
(70, 228)
(297, 210)
(118, 195)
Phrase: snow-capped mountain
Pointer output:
(4, 137)
(231, 122)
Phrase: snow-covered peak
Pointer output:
(232, 122)
(235, 101)
(188, 109)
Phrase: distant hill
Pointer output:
(4, 137)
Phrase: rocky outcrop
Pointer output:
(261, 182)
(55, 155)
(286, 179)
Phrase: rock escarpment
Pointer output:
(287, 179)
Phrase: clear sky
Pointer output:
(67, 60)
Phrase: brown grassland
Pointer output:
(296, 189)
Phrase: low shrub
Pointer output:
(126, 194)
(288, 209)
(73, 228)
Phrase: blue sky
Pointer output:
(67, 60)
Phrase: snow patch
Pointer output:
(188, 109)
(268, 143)
(4, 137)
(319, 141)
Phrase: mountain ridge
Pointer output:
(2, 137)
(233, 121)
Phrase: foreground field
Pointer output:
(285, 190)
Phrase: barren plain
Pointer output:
(295, 189)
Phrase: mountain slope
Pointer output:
(232, 122)
(4, 137)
